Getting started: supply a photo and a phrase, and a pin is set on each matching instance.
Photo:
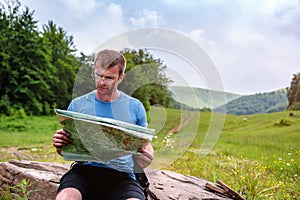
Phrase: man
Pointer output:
(114, 179)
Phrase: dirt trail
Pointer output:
(182, 123)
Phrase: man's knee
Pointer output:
(69, 194)
(132, 199)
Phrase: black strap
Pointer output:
(142, 179)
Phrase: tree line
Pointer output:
(40, 70)
(267, 102)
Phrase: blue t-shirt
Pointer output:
(125, 108)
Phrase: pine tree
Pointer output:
(293, 93)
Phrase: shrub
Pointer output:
(47, 109)
(18, 114)
(35, 108)
(283, 122)
(5, 107)
(294, 106)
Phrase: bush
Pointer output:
(14, 111)
(294, 106)
(5, 107)
(35, 107)
(283, 122)
(47, 109)
(15, 127)
(18, 114)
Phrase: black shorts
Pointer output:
(101, 183)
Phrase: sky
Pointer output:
(253, 45)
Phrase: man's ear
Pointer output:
(121, 77)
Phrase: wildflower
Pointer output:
(288, 164)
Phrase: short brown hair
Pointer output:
(109, 58)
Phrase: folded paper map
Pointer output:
(100, 139)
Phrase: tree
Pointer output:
(145, 79)
(84, 82)
(37, 68)
(23, 59)
(64, 64)
(293, 93)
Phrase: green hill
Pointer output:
(231, 103)
(258, 103)
(201, 98)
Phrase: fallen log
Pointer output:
(44, 179)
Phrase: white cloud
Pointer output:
(145, 18)
(257, 50)
(198, 36)
(183, 4)
(250, 62)
(115, 10)
(81, 8)
(107, 23)
(244, 38)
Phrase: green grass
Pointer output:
(259, 135)
(257, 155)
(36, 130)
(29, 137)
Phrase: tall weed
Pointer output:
(20, 191)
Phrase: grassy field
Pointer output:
(257, 155)
(28, 138)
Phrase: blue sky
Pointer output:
(254, 45)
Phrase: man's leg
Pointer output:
(69, 194)
(122, 186)
(74, 184)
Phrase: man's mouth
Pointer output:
(102, 88)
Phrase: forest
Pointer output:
(267, 102)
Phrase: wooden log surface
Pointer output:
(44, 177)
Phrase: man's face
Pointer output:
(107, 80)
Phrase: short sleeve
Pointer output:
(141, 115)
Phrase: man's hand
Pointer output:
(61, 138)
(145, 157)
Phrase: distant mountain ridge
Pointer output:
(267, 102)
(202, 98)
(231, 103)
